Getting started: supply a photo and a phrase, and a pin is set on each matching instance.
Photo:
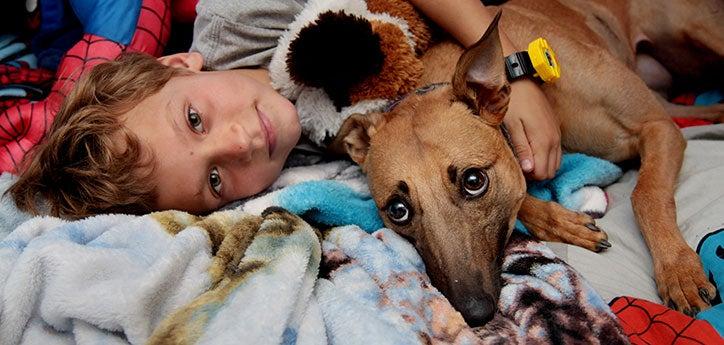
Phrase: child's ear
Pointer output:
(192, 61)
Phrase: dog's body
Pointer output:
(442, 173)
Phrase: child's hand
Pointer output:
(534, 130)
(533, 127)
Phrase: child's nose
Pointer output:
(235, 144)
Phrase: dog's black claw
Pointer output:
(691, 312)
(671, 305)
(705, 296)
(604, 244)
(593, 227)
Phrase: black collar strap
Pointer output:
(419, 91)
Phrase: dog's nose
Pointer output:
(477, 311)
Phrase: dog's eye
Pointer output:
(474, 183)
(398, 212)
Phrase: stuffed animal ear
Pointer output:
(334, 53)
(480, 78)
(355, 135)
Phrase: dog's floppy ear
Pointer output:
(355, 134)
(480, 78)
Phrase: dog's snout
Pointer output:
(477, 311)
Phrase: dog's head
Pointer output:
(443, 175)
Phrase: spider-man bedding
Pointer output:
(106, 28)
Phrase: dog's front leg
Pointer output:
(549, 221)
(679, 275)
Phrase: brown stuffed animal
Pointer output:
(341, 57)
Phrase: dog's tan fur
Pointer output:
(418, 152)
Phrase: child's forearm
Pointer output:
(466, 20)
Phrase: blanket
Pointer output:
(652, 323)
(171, 277)
(626, 268)
(174, 277)
(325, 194)
(711, 251)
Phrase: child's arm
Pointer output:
(534, 129)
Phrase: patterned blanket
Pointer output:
(257, 274)
(234, 277)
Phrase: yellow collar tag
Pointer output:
(544, 60)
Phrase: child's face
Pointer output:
(215, 137)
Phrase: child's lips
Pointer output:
(269, 132)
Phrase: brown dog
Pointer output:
(442, 173)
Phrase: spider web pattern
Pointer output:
(24, 125)
(22, 74)
(649, 323)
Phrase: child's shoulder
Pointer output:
(241, 34)
(251, 11)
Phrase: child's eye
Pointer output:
(215, 181)
(194, 119)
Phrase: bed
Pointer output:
(174, 277)
(257, 274)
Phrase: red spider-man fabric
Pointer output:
(682, 122)
(24, 125)
(23, 75)
(649, 323)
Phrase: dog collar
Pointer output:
(538, 61)
(419, 91)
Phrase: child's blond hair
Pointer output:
(89, 163)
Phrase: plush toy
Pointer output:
(341, 57)
(105, 28)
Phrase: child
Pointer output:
(137, 134)
(200, 140)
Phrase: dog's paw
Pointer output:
(555, 223)
(681, 282)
